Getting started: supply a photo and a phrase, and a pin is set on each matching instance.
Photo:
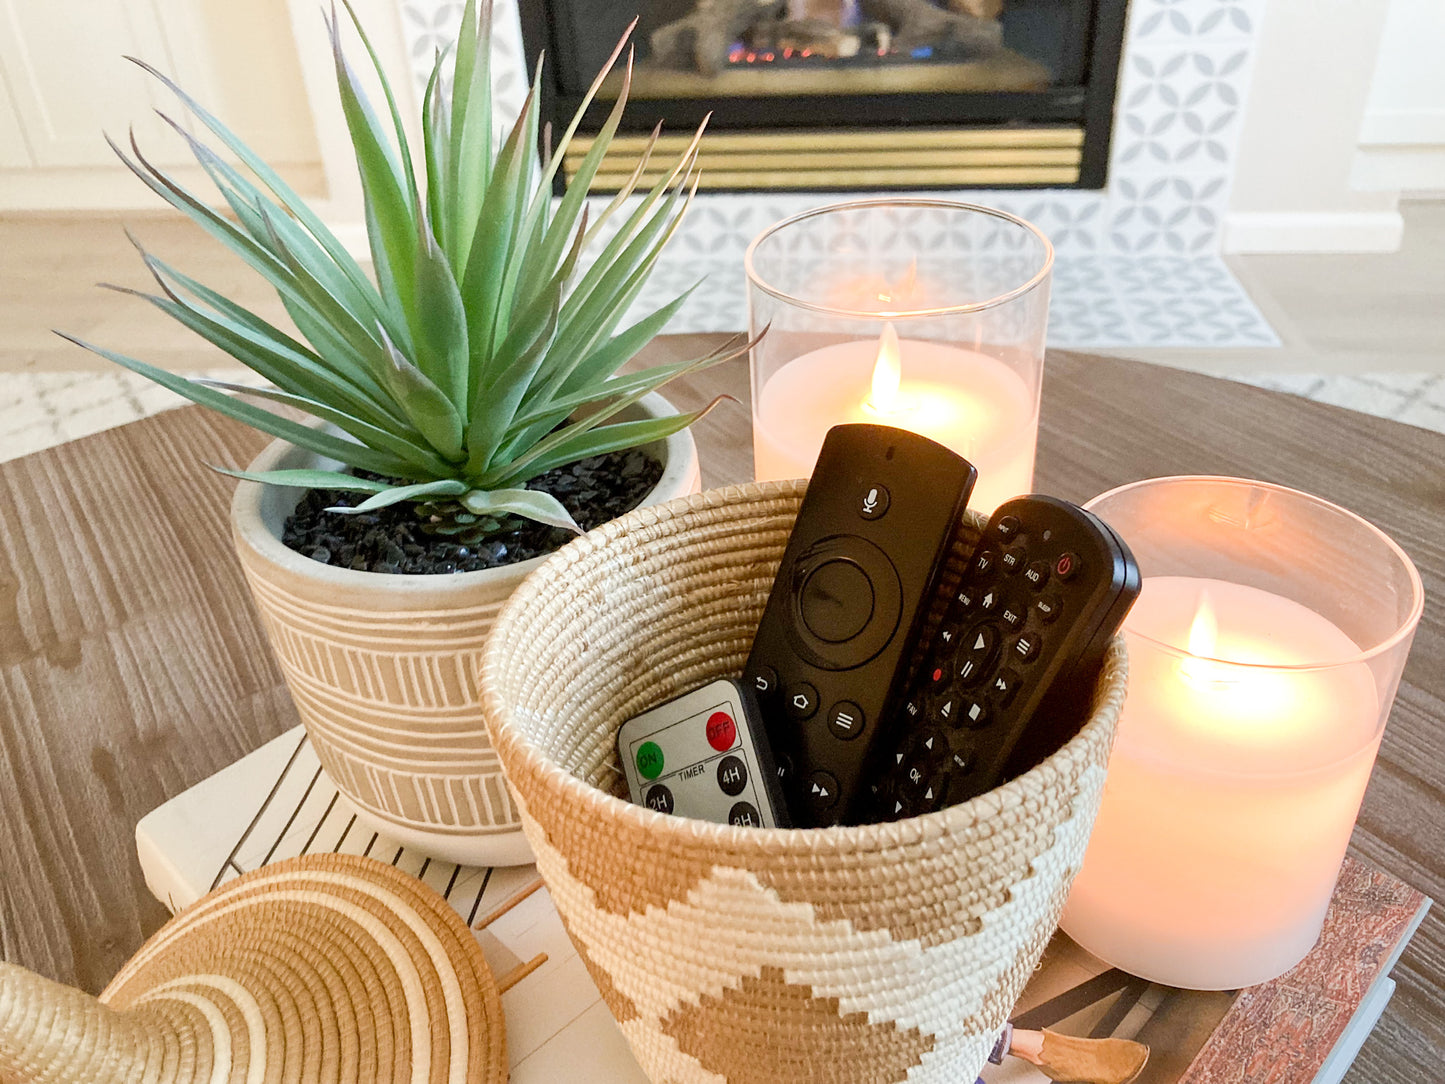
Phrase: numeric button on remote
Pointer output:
(845, 720)
(802, 700)
(744, 815)
(1047, 608)
(1037, 574)
(659, 798)
(732, 776)
(822, 791)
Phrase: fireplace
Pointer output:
(832, 95)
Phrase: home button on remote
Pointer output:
(837, 601)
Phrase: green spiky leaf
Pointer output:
(491, 311)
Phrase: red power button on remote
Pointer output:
(722, 732)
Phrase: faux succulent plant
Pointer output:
(483, 350)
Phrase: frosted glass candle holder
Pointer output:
(922, 314)
(1264, 653)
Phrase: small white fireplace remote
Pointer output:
(703, 755)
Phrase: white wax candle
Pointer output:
(963, 399)
(1232, 789)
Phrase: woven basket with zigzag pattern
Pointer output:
(870, 954)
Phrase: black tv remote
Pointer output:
(837, 635)
(1011, 671)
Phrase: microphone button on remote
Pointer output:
(873, 501)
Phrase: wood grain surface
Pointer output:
(132, 664)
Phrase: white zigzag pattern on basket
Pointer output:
(829, 956)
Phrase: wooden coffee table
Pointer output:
(132, 665)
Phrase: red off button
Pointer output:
(722, 732)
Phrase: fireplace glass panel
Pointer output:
(689, 49)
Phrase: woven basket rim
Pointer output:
(510, 741)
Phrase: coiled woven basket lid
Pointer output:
(861, 954)
(327, 968)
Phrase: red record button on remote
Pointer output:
(722, 732)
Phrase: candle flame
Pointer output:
(1203, 638)
(887, 372)
(1204, 632)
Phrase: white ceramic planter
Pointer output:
(383, 668)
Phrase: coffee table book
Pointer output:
(1303, 1028)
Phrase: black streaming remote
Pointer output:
(1011, 671)
(838, 632)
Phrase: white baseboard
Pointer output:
(1282, 231)
(111, 188)
(1397, 127)
(1399, 169)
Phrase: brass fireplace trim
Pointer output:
(902, 158)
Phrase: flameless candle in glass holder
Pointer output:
(922, 314)
(1264, 652)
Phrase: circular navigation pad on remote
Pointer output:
(836, 601)
(847, 601)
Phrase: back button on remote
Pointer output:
(764, 679)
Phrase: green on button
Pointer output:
(649, 759)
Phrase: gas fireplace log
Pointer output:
(819, 37)
(984, 9)
(700, 41)
(918, 24)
